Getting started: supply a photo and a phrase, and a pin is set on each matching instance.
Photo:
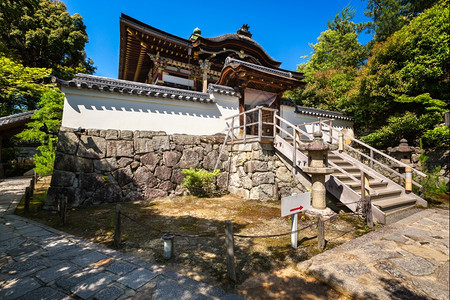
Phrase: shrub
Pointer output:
(437, 137)
(200, 182)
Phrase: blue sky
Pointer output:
(285, 29)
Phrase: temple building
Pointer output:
(199, 80)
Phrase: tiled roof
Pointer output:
(221, 89)
(105, 84)
(9, 120)
(315, 111)
(277, 72)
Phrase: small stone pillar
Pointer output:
(403, 152)
(318, 168)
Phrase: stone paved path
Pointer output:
(39, 262)
(405, 260)
(11, 192)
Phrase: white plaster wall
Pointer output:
(288, 113)
(104, 110)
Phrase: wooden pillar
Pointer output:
(2, 173)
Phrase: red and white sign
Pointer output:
(295, 204)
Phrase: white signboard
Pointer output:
(295, 204)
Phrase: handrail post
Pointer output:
(320, 124)
(245, 128)
(341, 142)
(232, 131)
(294, 154)
(371, 158)
(331, 131)
(260, 124)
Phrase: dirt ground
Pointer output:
(265, 267)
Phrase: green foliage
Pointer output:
(44, 129)
(437, 137)
(41, 33)
(408, 126)
(200, 182)
(45, 159)
(19, 88)
(390, 16)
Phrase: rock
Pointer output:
(181, 139)
(150, 160)
(119, 148)
(67, 142)
(166, 186)
(189, 159)
(283, 174)
(246, 182)
(414, 265)
(112, 134)
(239, 192)
(261, 178)
(177, 176)
(144, 178)
(109, 193)
(235, 180)
(160, 143)
(163, 172)
(210, 160)
(55, 194)
(135, 164)
(222, 181)
(91, 147)
(123, 176)
(93, 132)
(126, 135)
(151, 193)
(72, 163)
(261, 192)
(91, 181)
(142, 146)
(133, 196)
(124, 161)
(106, 164)
(62, 178)
(171, 158)
(255, 166)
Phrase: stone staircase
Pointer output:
(389, 200)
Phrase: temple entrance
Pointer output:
(254, 98)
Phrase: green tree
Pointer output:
(334, 63)
(407, 72)
(44, 129)
(390, 16)
(19, 86)
(43, 34)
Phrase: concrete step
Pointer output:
(376, 185)
(385, 194)
(389, 205)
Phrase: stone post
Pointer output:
(318, 168)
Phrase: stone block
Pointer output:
(123, 176)
(239, 192)
(91, 147)
(133, 196)
(256, 166)
(171, 158)
(283, 174)
(189, 159)
(210, 160)
(152, 193)
(112, 134)
(143, 145)
(182, 139)
(109, 193)
(18, 288)
(124, 161)
(261, 192)
(126, 135)
(416, 266)
(72, 163)
(105, 165)
(150, 160)
(120, 268)
(93, 132)
(177, 176)
(92, 285)
(137, 278)
(67, 142)
(55, 272)
(143, 177)
(235, 180)
(88, 258)
(262, 178)
(110, 293)
(163, 172)
(91, 181)
(119, 148)
(222, 181)
(161, 143)
(166, 186)
(62, 178)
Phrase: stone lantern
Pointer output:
(318, 168)
(403, 152)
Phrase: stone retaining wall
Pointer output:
(99, 166)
